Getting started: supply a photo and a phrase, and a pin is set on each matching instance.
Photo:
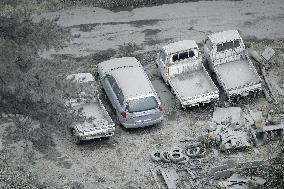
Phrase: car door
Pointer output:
(107, 83)
(162, 63)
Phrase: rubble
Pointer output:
(268, 53)
(238, 182)
(221, 115)
(222, 171)
(234, 140)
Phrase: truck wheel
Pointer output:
(75, 138)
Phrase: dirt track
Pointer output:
(123, 161)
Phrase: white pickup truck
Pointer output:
(97, 122)
(181, 67)
(226, 58)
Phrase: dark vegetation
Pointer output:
(30, 85)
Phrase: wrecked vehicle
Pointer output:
(227, 60)
(130, 92)
(97, 122)
(181, 67)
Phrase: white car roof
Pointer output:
(224, 36)
(180, 46)
(133, 81)
(115, 63)
(81, 77)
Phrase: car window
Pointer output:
(236, 43)
(142, 104)
(208, 44)
(111, 80)
(163, 56)
(116, 89)
(184, 55)
(228, 45)
(120, 98)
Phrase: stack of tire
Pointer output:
(178, 155)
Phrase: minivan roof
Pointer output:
(224, 36)
(116, 63)
(133, 81)
(180, 46)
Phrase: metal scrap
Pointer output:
(238, 182)
(170, 177)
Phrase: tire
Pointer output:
(165, 157)
(192, 151)
(202, 152)
(176, 157)
(155, 156)
(185, 160)
(176, 150)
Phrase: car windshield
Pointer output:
(184, 55)
(142, 104)
(228, 45)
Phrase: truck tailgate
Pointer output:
(236, 74)
(190, 84)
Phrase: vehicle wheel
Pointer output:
(75, 138)
(155, 156)
(165, 157)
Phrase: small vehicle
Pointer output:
(130, 92)
(181, 67)
(97, 122)
(226, 58)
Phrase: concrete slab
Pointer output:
(221, 114)
(268, 53)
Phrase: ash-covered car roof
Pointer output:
(116, 63)
(133, 81)
(180, 46)
(224, 36)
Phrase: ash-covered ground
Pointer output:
(47, 156)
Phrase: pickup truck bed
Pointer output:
(190, 84)
(236, 74)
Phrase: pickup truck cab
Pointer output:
(226, 57)
(130, 92)
(97, 122)
(181, 67)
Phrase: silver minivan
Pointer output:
(130, 91)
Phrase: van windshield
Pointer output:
(142, 104)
